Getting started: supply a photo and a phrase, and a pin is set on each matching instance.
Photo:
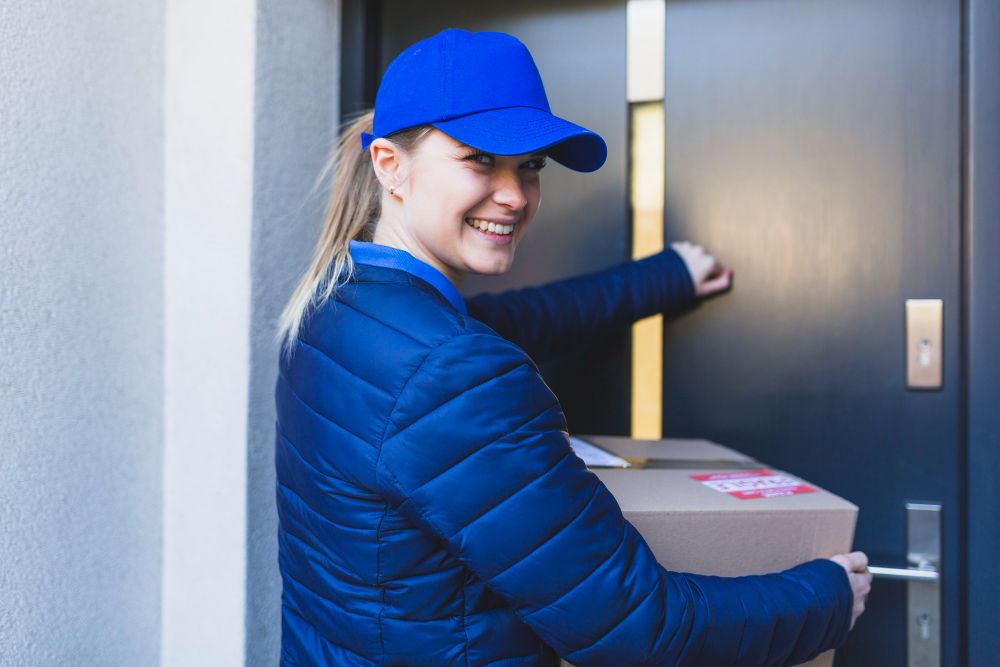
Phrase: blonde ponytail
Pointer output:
(352, 212)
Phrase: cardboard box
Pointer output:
(695, 527)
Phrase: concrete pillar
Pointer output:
(251, 111)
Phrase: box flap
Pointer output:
(672, 452)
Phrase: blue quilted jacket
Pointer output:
(432, 512)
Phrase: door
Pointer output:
(815, 147)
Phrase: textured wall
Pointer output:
(81, 257)
(295, 125)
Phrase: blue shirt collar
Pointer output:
(388, 257)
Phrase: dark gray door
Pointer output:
(815, 146)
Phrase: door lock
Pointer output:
(924, 327)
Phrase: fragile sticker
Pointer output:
(749, 484)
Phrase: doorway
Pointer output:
(816, 148)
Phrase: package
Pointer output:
(708, 509)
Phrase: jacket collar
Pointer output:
(363, 252)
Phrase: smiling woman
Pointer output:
(431, 510)
(455, 207)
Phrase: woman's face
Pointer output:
(462, 210)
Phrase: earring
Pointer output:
(392, 190)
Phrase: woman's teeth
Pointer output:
(487, 226)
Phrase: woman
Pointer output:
(431, 510)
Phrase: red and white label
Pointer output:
(748, 484)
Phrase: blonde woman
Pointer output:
(431, 510)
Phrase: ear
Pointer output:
(387, 161)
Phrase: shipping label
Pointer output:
(749, 484)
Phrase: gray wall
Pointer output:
(81, 314)
(296, 102)
(156, 173)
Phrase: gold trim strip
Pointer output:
(646, 28)
(646, 194)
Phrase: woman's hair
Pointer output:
(352, 212)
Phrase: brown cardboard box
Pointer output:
(691, 527)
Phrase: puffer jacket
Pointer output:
(432, 513)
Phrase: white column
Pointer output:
(209, 142)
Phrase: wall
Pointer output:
(81, 300)
(156, 208)
(295, 125)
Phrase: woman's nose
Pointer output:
(509, 191)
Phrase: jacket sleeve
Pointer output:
(548, 319)
(475, 452)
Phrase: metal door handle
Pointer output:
(923, 584)
(905, 573)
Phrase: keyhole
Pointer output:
(924, 626)
(924, 346)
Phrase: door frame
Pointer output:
(981, 215)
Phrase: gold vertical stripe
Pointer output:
(646, 157)
(646, 189)
(646, 37)
(647, 378)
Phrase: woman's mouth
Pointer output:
(497, 228)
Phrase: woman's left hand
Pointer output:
(856, 566)
(707, 274)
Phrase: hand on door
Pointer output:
(856, 565)
(707, 274)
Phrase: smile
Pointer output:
(491, 227)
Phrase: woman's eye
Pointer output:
(481, 158)
(535, 165)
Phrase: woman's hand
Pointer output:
(708, 276)
(856, 564)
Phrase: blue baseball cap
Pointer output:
(484, 90)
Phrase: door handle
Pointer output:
(923, 584)
(905, 573)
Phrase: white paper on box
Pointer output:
(594, 456)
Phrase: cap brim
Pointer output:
(522, 130)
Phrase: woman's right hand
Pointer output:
(856, 565)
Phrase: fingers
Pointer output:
(861, 585)
(864, 584)
(718, 284)
(707, 274)
(856, 565)
(856, 561)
